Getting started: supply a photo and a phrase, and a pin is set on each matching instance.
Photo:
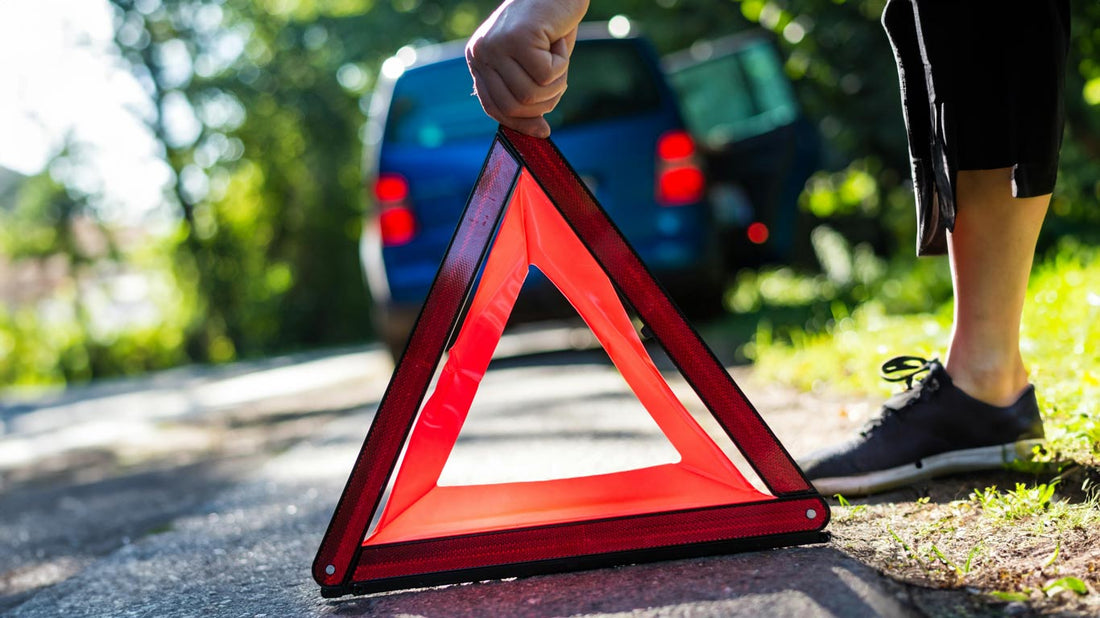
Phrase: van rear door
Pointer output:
(741, 107)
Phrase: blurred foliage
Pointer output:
(66, 333)
(39, 222)
(789, 304)
(266, 179)
(259, 107)
(862, 229)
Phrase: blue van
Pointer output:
(618, 124)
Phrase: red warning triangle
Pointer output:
(529, 208)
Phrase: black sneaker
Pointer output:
(930, 429)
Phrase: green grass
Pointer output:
(1060, 340)
(1039, 505)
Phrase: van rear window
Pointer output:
(736, 96)
(607, 79)
(432, 105)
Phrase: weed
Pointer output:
(1037, 503)
(942, 558)
(985, 498)
(1024, 501)
(1011, 596)
(905, 546)
(1032, 500)
(1053, 555)
(1070, 584)
(853, 511)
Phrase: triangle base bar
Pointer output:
(587, 545)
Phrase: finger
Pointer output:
(561, 51)
(485, 97)
(508, 104)
(570, 39)
(523, 88)
(543, 65)
(537, 126)
(549, 65)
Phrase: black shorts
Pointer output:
(982, 88)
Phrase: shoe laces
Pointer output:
(903, 369)
(908, 366)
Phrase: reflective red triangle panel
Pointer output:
(530, 208)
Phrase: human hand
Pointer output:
(519, 59)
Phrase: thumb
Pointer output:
(559, 57)
(560, 50)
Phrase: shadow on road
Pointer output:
(51, 531)
(62, 514)
(752, 584)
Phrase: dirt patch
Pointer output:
(940, 536)
(1002, 565)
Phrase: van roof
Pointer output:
(438, 52)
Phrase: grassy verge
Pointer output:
(1034, 538)
(1060, 340)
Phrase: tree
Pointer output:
(259, 105)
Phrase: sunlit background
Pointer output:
(181, 180)
(65, 83)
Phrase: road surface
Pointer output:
(204, 492)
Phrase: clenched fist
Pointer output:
(519, 59)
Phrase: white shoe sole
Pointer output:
(954, 462)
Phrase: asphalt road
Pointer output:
(205, 493)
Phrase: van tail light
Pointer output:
(391, 188)
(396, 221)
(680, 180)
(680, 185)
(398, 226)
(757, 233)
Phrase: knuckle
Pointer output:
(473, 51)
(479, 52)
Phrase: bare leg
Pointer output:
(991, 252)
